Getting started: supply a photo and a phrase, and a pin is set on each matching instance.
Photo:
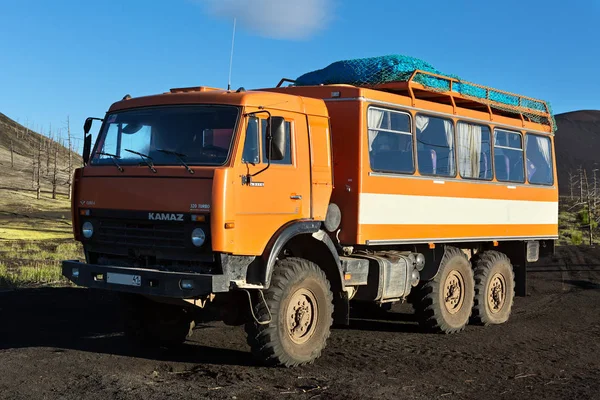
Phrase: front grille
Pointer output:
(142, 234)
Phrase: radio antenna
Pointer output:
(231, 56)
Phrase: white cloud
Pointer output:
(279, 19)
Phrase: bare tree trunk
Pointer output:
(33, 165)
(55, 172)
(39, 169)
(571, 183)
(595, 194)
(70, 167)
(581, 184)
(12, 157)
(48, 147)
(589, 208)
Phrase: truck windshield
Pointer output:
(202, 135)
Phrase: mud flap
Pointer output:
(341, 309)
(517, 253)
(520, 280)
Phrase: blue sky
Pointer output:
(74, 57)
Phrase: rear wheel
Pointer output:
(494, 288)
(299, 308)
(444, 304)
(151, 324)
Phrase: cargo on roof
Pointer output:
(407, 75)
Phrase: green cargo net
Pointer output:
(398, 68)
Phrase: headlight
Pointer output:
(87, 229)
(198, 237)
(420, 261)
(415, 277)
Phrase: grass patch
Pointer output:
(53, 250)
(34, 274)
(23, 217)
(33, 263)
(35, 236)
(573, 224)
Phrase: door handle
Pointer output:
(296, 197)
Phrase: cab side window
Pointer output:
(287, 159)
(251, 153)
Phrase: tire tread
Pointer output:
(263, 339)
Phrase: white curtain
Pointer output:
(375, 119)
(469, 150)
(544, 147)
(449, 130)
(422, 122)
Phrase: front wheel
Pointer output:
(298, 307)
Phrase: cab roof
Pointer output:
(240, 97)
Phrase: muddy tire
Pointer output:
(444, 304)
(494, 288)
(150, 324)
(299, 305)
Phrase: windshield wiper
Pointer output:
(147, 159)
(179, 157)
(113, 157)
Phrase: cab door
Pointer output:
(277, 195)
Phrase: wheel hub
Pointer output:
(454, 292)
(496, 295)
(301, 316)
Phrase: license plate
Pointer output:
(124, 279)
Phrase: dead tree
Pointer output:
(33, 165)
(12, 156)
(48, 151)
(581, 184)
(70, 165)
(39, 168)
(572, 178)
(595, 194)
(590, 211)
(55, 171)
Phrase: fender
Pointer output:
(288, 232)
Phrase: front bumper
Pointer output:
(144, 281)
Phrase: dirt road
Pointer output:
(66, 343)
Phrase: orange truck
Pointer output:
(280, 208)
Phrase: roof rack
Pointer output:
(462, 92)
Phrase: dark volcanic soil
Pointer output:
(66, 343)
(577, 142)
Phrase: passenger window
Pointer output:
(539, 160)
(508, 156)
(288, 149)
(390, 141)
(251, 145)
(435, 146)
(474, 151)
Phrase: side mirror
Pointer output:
(278, 138)
(87, 146)
(87, 125)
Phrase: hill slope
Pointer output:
(26, 144)
(577, 144)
